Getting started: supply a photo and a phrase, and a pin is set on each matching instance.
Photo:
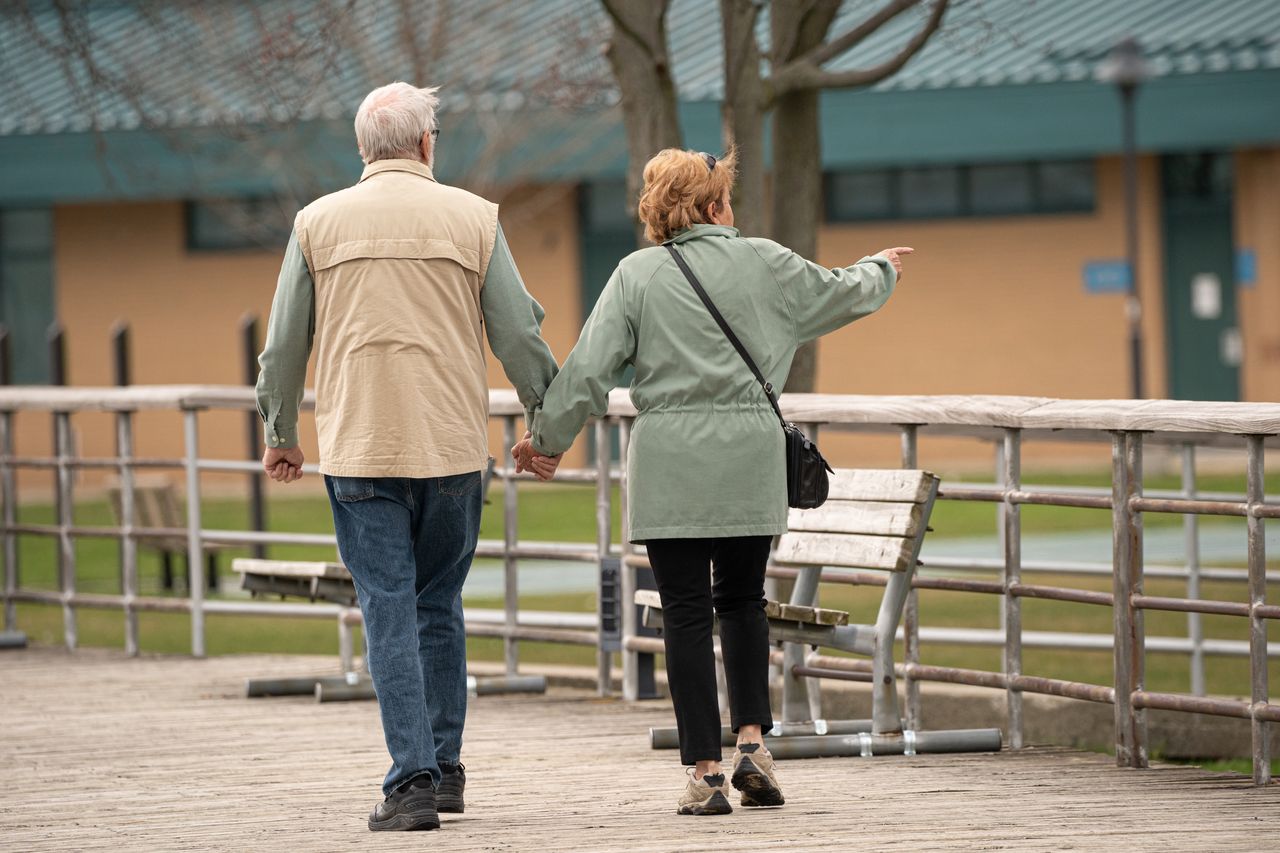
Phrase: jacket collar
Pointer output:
(704, 231)
(412, 166)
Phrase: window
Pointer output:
(934, 192)
(1001, 189)
(233, 224)
(929, 192)
(26, 290)
(860, 195)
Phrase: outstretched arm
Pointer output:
(822, 300)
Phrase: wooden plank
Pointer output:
(845, 550)
(800, 613)
(290, 568)
(772, 609)
(872, 517)
(871, 484)
(289, 774)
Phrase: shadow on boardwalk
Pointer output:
(102, 752)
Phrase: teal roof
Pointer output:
(1006, 78)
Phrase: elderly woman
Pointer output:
(706, 479)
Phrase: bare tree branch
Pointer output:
(824, 53)
(804, 74)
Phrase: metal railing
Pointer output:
(1007, 422)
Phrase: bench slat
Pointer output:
(772, 609)
(876, 518)
(845, 550)
(869, 484)
(290, 569)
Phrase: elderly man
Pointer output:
(396, 280)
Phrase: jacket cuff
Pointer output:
(278, 436)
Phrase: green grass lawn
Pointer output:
(566, 512)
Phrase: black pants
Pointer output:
(688, 595)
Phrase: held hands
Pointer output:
(893, 256)
(528, 459)
(283, 464)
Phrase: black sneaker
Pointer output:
(409, 807)
(453, 781)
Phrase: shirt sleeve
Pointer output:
(283, 375)
(592, 370)
(822, 300)
(513, 323)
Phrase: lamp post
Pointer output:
(1126, 69)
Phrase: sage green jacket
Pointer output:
(706, 451)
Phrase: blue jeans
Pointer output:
(408, 544)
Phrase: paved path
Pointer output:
(100, 752)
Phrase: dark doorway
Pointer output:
(1204, 346)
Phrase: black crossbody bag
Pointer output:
(807, 471)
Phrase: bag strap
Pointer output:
(728, 332)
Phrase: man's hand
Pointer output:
(893, 257)
(283, 464)
(528, 459)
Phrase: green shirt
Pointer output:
(512, 318)
(706, 450)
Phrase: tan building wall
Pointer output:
(1257, 227)
(997, 305)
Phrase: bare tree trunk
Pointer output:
(742, 115)
(797, 153)
(637, 53)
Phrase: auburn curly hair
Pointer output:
(678, 186)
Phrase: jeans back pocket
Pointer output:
(351, 489)
(459, 484)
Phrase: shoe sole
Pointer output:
(717, 803)
(405, 823)
(757, 789)
(449, 805)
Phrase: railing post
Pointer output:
(510, 541)
(9, 495)
(1191, 529)
(630, 659)
(604, 541)
(253, 436)
(911, 617)
(1129, 639)
(1258, 597)
(195, 549)
(1011, 532)
(128, 544)
(66, 544)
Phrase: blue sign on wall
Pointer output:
(1106, 277)
(1246, 268)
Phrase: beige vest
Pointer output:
(398, 261)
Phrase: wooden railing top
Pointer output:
(949, 414)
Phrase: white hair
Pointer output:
(392, 119)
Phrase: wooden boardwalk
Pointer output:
(163, 753)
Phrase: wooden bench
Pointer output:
(317, 581)
(873, 519)
(156, 507)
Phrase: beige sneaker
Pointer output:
(705, 796)
(754, 776)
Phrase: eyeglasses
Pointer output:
(709, 160)
(435, 134)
